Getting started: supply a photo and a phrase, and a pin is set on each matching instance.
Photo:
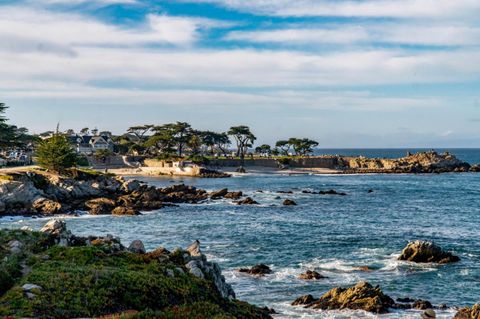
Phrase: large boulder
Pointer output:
(257, 270)
(247, 201)
(426, 252)
(100, 206)
(137, 247)
(131, 185)
(234, 195)
(219, 194)
(46, 206)
(303, 300)
(124, 210)
(468, 313)
(54, 227)
(362, 296)
(311, 275)
(289, 202)
(198, 265)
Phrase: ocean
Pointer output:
(331, 234)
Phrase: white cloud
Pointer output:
(243, 68)
(77, 2)
(343, 35)
(26, 29)
(393, 33)
(350, 8)
(213, 99)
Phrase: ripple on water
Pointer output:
(331, 234)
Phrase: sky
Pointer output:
(356, 73)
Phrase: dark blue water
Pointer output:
(331, 234)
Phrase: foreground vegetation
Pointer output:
(96, 280)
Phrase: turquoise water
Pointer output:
(332, 234)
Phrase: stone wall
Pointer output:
(330, 162)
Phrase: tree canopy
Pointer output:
(56, 153)
(243, 137)
(11, 135)
(301, 146)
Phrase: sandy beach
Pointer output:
(256, 170)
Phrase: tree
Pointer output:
(195, 142)
(84, 131)
(9, 134)
(56, 153)
(178, 134)
(215, 140)
(263, 149)
(244, 139)
(140, 130)
(284, 146)
(95, 131)
(302, 146)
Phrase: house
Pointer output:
(101, 143)
(87, 144)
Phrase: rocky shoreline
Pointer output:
(30, 262)
(38, 192)
(364, 296)
(420, 163)
(54, 274)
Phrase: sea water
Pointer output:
(331, 234)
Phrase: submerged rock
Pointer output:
(219, 194)
(422, 304)
(234, 195)
(468, 312)
(426, 252)
(257, 270)
(364, 268)
(332, 192)
(311, 275)
(289, 202)
(362, 296)
(247, 201)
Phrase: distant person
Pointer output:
(429, 314)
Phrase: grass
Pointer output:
(7, 178)
(90, 281)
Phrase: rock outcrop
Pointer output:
(468, 312)
(329, 192)
(311, 275)
(426, 252)
(289, 202)
(38, 192)
(69, 281)
(423, 162)
(198, 265)
(247, 201)
(219, 194)
(257, 270)
(362, 296)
